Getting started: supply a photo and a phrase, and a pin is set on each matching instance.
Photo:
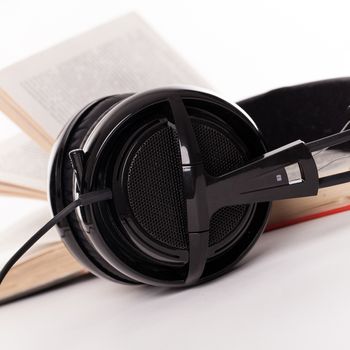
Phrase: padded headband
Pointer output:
(307, 111)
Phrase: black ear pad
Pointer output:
(307, 111)
(74, 237)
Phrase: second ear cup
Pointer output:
(74, 237)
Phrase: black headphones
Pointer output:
(173, 186)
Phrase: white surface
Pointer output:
(293, 292)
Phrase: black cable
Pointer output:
(333, 180)
(84, 199)
(329, 141)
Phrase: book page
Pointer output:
(331, 161)
(14, 236)
(23, 163)
(122, 56)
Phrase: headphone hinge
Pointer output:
(76, 157)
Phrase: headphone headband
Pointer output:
(307, 111)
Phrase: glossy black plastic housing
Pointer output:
(265, 178)
(57, 200)
(149, 266)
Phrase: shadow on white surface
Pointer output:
(292, 286)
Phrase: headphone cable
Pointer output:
(83, 199)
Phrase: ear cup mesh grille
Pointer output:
(155, 187)
(225, 221)
(220, 155)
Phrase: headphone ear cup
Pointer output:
(74, 237)
(139, 162)
(144, 228)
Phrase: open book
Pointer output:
(43, 92)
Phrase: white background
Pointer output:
(293, 292)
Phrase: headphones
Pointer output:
(173, 186)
